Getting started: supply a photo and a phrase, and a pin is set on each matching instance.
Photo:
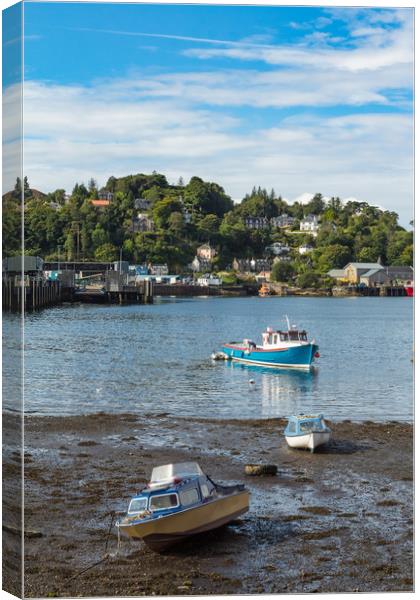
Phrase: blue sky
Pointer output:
(302, 99)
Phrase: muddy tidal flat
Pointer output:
(338, 520)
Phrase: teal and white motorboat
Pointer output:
(286, 349)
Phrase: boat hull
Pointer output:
(308, 441)
(294, 357)
(161, 533)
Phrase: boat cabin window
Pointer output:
(292, 427)
(309, 425)
(303, 336)
(284, 336)
(137, 505)
(205, 490)
(163, 501)
(188, 497)
(293, 335)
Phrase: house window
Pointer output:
(163, 501)
(189, 497)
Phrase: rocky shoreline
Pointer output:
(340, 520)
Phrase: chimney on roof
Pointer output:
(380, 261)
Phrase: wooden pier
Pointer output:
(33, 294)
(383, 291)
(163, 289)
(29, 294)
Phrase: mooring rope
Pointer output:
(104, 558)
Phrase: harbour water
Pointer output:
(156, 359)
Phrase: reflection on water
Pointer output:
(156, 358)
(281, 390)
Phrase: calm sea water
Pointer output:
(156, 358)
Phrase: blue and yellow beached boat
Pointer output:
(287, 349)
(181, 501)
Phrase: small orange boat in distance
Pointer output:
(264, 291)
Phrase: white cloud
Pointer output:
(279, 88)
(74, 133)
(375, 46)
(187, 123)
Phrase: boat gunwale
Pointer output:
(265, 350)
(151, 519)
(305, 367)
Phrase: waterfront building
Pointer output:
(353, 271)
(208, 280)
(159, 270)
(200, 265)
(338, 274)
(374, 277)
(263, 276)
(400, 275)
(251, 265)
(372, 274)
(206, 252)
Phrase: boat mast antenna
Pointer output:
(288, 322)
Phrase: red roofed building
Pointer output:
(100, 203)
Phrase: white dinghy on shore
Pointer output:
(307, 432)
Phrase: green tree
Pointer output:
(308, 279)
(315, 206)
(70, 245)
(204, 197)
(282, 271)
(333, 257)
(367, 255)
(106, 253)
(99, 237)
(162, 210)
(176, 223)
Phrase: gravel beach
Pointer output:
(338, 520)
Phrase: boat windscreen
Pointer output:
(137, 505)
(310, 425)
(167, 472)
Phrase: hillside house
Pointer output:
(309, 224)
(142, 223)
(282, 221)
(142, 204)
(105, 195)
(305, 249)
(256, 222)
(278, 249)
(100, 203)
